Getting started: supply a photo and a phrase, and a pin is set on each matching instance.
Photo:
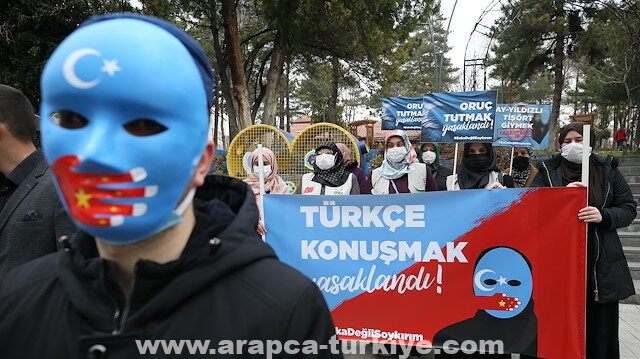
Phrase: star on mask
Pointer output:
(110, 67)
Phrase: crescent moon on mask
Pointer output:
(477, 280)
(69, 68)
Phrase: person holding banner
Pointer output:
(478, 170)
(273, 184)
(328, 176)
(352, 167)
(429, 154)
(610, 206)
(523, 171)
(400, 171)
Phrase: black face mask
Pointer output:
(477, 162)
(520, 163)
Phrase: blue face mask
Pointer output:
(124, 122)
(503, 270)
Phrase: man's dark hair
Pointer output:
(16, 113)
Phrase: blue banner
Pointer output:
(402, 113)
(521, 125)
(425, 268)
(306, 231)
(459, 116)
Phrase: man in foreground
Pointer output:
(167, 254)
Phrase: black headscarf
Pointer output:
(475, 169)
(572, 172)
(576, 126)
(334, 176)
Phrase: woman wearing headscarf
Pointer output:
(273, 184)
(329, 176)
(400, 171)
(352, 167)
(523, 171)
(610, 206)
(429, 154)
(478, 170)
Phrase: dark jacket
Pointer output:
(608, 268)
(32, 219)
(360, 175)
(533, 172)
(441, 175)
(228, 285)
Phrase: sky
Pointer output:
(465, 15)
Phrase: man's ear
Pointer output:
(202, 169)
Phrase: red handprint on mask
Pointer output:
(86, 200)
(498, 301)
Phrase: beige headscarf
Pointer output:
(346, 153)
(272, 183)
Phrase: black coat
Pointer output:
(228, 285)
(33, 218)
(441, 175)
(608, 269)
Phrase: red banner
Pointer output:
(467, 269)
(543, 228)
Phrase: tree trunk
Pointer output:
(216, 120)
(333, 100)
(232, 47)
(222, 72)
(273, 80)
(281, 96)
(288, 127)
(558, 57)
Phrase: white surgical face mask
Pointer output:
(325, 161)
(396, 154)
(572, 152)
(428, 157)
(267, 170)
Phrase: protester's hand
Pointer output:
(576, 184)
(496, 185)
(261, 228)
(590, 214)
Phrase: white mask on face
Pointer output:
(325, 161)
(267, 170)
(396, 154)
(428, 157)
(572, 152)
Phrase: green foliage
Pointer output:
(29, 32)
(157, 8)
(609, 56)
(313, 91)
(377, 160)
(525, 39)
(414, 67)
(107, 6)
(371, 38)
(537, 90)
(601, 40)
